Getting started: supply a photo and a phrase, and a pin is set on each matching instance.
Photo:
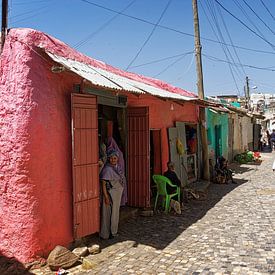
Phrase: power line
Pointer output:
(186, 71)
(273, 47)
(213, 58)
(31, 2)
(229, 36)
(169, 66)
(162, 59)
(258, 16)
(267, 9)
(224, 48)
(150, 35)
(248, 18)
(172, 29)
(89, 37)
(29, 12)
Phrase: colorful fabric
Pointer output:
(112, 174)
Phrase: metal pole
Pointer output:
(247, 92)
(202, 118)
(4, 22)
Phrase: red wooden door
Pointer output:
(85, 165)
(138, 157)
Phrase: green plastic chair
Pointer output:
(162, 182)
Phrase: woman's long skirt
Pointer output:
(110, 213)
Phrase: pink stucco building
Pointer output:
(47, 196)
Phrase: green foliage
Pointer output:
(244, 157)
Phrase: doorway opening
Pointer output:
(155, 157)
(191, 151)
(111, 123)
(112, 134)
(218, 141)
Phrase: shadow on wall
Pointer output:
(11, 266)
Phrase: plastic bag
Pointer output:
(180, 148)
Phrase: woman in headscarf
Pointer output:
(112, 179)
(112, 145)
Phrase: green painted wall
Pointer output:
(217, 119)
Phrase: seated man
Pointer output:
(223, 173)
(172, 176)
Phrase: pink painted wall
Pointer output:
(35, 156)
(162, 115)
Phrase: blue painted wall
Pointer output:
(217, 119)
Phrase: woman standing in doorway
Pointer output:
(112, 180)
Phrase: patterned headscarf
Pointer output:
(112, 152)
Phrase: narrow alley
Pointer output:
(232, 231)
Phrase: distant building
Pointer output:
(265, 104)
(260, 102)
(228, 98)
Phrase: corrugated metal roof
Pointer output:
(104, 78)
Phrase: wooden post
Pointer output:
(4, 22)
(247, 94)
(202, 118)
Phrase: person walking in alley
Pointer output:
(272, 139)
(112, 179)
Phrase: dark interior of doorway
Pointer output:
(111, 123)
(192, 145)
(155, 157)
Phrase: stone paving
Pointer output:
(232, 231)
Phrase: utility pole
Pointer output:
(247, 91)
(4, 22)
(247, 94)
(204, 142)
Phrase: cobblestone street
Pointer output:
(232, 231)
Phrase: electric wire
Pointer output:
(258, 16)
(248, 18)
(224, 48)
(240, 21)
(31, 2)
(186, 71)
(150, 35)
(29, 14)
(103, 26)
(172, 29)
(213, 58)
(187, 53)
(231, 41)
(267, 9)
(169, 66)
(161, 59)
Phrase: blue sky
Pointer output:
(116, 39)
